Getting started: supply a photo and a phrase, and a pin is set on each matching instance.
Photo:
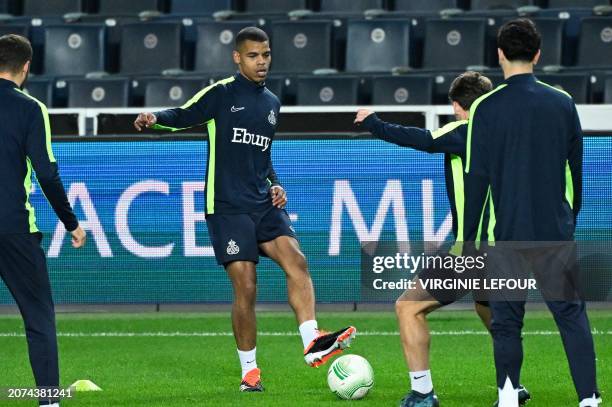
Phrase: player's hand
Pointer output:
(78, 237)
(279, 196)
(144, 120)
(361, 115)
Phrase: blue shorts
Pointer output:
(236, 237)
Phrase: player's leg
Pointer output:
(24, 270)
(412, 308)
(278, 241)
(573, 323)
(286, 252)
(235, 245)
(484, 313)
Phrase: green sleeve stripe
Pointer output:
(166, 128)
(569, 185)
(492, 220)
(468, 149)
(447, 129)
(45, 114)
(459, 192)
(210, 181)
(27, 185)
(201, 93)
(555, 88)
(479, 233)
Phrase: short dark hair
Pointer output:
(15, 51)
(519, 39)
(250, 34)
(468, 87)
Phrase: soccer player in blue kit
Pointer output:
(245, 202)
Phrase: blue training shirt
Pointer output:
(25, 146)
(525, 142)
(241, 117)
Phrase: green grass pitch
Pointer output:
(193, 361)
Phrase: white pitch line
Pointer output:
(214, 334)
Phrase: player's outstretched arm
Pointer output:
(413, 137)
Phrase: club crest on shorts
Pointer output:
(272, 118)
(232, 248)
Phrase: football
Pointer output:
(350, 377)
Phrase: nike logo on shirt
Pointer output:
(236, 109)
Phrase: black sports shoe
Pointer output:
(416, 399)
(252, 381)
(523, 396)
(324, 346)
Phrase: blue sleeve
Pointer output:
(448, 139)
(40, 154)
(198, 110)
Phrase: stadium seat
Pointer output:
(215, 44)
(377, 45)
(608, 91)
(402, 90)
(274, 6)
(454, 43)
(170, 92)
(572, 18)
(150, 47)
(301, 46)
(576, 84)
(576, 3)
(595, 44)
(350, 6)
(74, 49)
(327, 90)
(20, 29)
(40, 88)
(117, 7)
(89, 93)
(276, 85)
(51, 7)
(499, 4)
(425, 5)
(552, 40)
(198, 7)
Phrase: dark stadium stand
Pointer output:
(402, 90)
(425, 5)
(499, 4)
(454, 43)
(377, 46)
(351, 6)
(214, 45)
(327, 90)
(608, 90)
(41, 89)
(170, 91)
(109, 7)
(51, 7)
(301, 46)
(83, 45)
(198, 7)
(426, 42)
(150, 48)
(98, 92)
(595, 45)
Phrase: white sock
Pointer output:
(508, 396)
(248, 361)
(51, 405)
(590, 402)
(309, 331)
(421, 381)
